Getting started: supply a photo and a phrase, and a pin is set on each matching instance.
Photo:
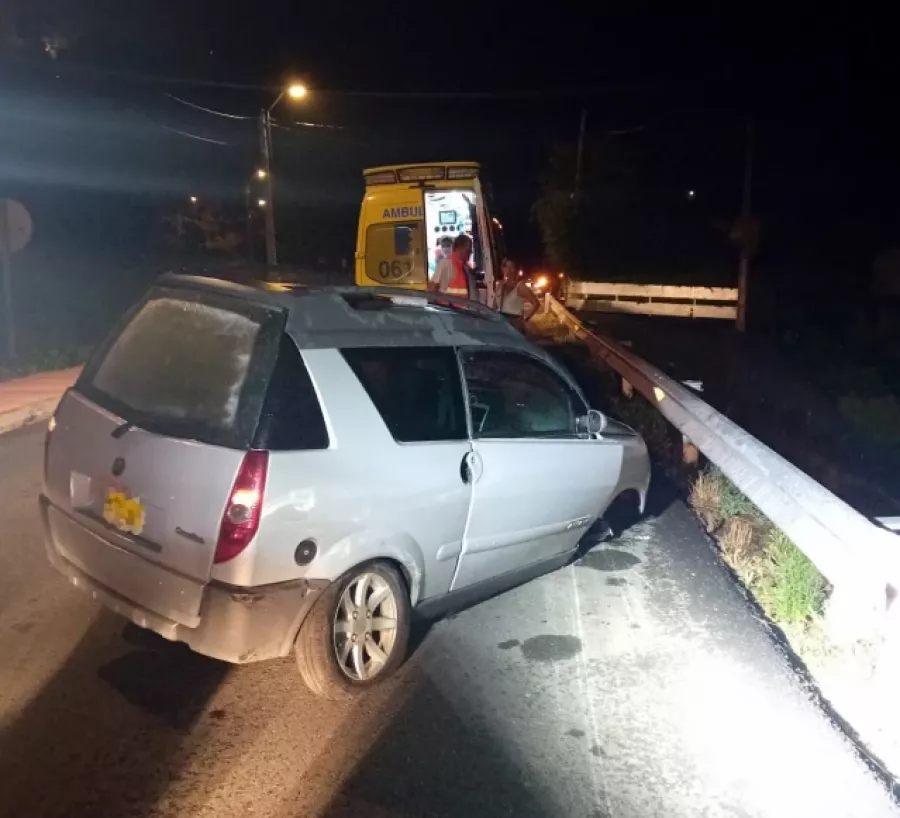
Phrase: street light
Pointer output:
(297, 91)
(261, 202)
(193, 199)
(294, 91)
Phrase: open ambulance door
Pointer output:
(485, 235)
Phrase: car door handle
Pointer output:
(470, 468)
(465, 470)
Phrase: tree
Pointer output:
(587, 231)
(555, 210)
(103, 32)
(204, 228)
(25, 30)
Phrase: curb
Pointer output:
(27, 415)
(39, 395)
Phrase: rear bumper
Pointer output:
(235, 624)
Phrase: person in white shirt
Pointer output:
(513, 294)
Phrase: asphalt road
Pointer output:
(637, 683)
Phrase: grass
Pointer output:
(780, 576)
(790, 589)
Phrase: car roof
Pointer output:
(341, 317)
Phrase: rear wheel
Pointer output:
(357, 632)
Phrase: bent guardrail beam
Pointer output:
(858, 557)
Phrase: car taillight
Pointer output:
(241, 518)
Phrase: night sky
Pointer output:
(491, 83)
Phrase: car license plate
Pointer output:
(124, 512)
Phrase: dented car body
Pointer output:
(237, 464)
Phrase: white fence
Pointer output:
(859, 558)
(654, 299)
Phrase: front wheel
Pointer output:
(356, 633)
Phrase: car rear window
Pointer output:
(188, 366)
(291, 417)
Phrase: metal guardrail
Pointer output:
(654, 299)
(859, 558)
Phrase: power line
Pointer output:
(194, 136)
(187, 134)
(512, 94)
(533, 93)
(247, 118)
(206, 110)
(308, 125)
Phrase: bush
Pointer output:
(790, 589)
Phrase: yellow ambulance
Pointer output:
(409, 215)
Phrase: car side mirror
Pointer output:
(593, 423)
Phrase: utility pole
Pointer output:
(15, 233)
(746, 209)
(248, 219)
(579, 156)
(6, 276)
(265, 141)
(294, 91)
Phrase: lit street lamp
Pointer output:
(294, 91)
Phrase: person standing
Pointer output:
(453, 275)
(443, 250)
(513, 294)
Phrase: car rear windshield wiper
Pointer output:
(122, 429)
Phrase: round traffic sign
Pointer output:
(15, 225)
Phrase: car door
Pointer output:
(408, 478)
(537, 483)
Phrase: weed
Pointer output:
(706, 499)
(740, 545)
(733, 503)
(785, 582)
(790, 589)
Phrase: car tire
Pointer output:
(329, 662)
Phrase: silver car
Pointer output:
(253, 471)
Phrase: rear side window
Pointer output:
(417, 390)
(291, 416)
(188, 366)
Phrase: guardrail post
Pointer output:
(690, 454)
